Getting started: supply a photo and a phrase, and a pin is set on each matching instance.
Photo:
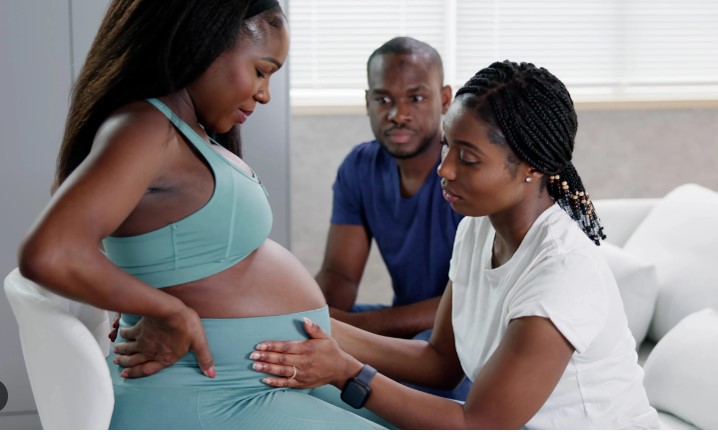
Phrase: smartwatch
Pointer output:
(357, 390)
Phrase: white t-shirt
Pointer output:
(559, 274)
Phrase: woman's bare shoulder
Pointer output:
(132, 148)
(137, 124)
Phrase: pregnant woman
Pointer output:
(149, 169)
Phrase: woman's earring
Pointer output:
(529, 179)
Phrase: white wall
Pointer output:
(43, 44)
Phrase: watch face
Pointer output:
(355, 394)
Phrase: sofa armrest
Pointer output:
(621, 216)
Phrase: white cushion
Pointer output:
(680, 236)
(621, 216)
(636, 280)
(681, 373)
(670, 422)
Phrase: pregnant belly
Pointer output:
(270, 281)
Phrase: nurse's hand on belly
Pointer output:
(305, 364)
(152, 344)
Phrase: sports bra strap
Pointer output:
(196, 140)
(234, 222)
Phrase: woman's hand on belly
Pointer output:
(305, 364)
(270, 281)
(153, 344)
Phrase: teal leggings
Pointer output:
(181, 397)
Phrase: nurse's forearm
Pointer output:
(410, 360)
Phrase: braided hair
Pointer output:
(535, 115)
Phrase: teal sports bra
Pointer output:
(235, 221)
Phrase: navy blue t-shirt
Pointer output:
(415, 235)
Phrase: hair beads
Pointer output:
(535, 113)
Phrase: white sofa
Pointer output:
(664, 255)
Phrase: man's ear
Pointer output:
(366, 101)
(445, 98)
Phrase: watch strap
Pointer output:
(366, 374)
(357, 389)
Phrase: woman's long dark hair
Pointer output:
(534, 112)
(143, 49)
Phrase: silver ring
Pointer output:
(294, 368)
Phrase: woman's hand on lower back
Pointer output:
(115, 329)
(305, 364)
(154, 344)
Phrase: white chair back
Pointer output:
(64, 343)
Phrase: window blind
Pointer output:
(603, 50)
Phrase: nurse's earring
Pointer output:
(529, 179)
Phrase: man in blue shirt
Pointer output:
(388, 190)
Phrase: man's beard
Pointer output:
(423, 146)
